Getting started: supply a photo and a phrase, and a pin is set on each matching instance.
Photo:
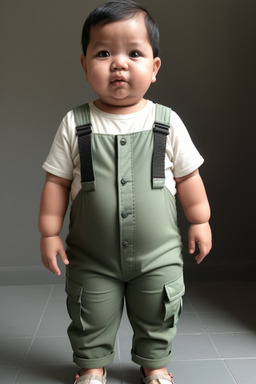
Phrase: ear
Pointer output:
(156, 67)
(83, 63)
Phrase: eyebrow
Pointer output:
(100, 44)
(106, 43)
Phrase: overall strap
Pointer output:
(161, 130)
(83, 131)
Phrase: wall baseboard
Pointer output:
(29, 275)
(33, 275)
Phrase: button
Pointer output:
(125, 244)
(123, 181)
(124, 214)
(123, 141)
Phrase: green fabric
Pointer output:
(82, 115)
(123, 242)
(163, 114)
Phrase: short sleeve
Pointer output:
(182, 153)
(60, 160)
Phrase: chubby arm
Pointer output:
(193, 198)
(53, 206)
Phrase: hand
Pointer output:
(50, 247)
(200, 235)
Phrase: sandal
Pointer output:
(91, 379)
(156, 379)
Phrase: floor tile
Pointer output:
(8, 374)
(228, 321)
(59, 292)
(125, 326)
(23, 308)
(125, 345)
(190, 323)
(201, 372)
(130, 373)
(114, 373)
(244, 371)
(189, 347)
(55, 320)
(50, 350)
(215, 343)
(187, 307)
(14, 351)
(61, 374)
(51, 374)
(235, 344)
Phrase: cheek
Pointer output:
(94, 76)
(144, 70)
(98, 72)
(144, 76)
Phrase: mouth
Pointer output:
(118, 81)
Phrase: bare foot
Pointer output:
(95, 372)
(151, 372)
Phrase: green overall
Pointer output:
(123, 243)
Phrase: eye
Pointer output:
(135, 54)
(103, 54)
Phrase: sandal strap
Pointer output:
(91, 379)
(156, 379)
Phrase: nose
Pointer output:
(119, 63)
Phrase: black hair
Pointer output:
(120, 10)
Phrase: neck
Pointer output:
(120, 109)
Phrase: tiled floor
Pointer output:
(215, 344)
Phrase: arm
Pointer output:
(53, 206)
(193, 198)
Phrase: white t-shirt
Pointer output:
(181, 156)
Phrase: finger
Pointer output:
(63, 256)
(203, 252)
(53, 267)
(199, 258)
(191, 246)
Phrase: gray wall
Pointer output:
(207, 76)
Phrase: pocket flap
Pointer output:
(175, 289)
(74, 291)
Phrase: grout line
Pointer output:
(18, 374)
(231, 374)
(39, 322)
(214, 346)
(214, 333)
(216, 359)
(33, 338)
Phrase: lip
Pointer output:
(118, 81)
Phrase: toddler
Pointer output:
(122, 159)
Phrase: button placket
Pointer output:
(126, 200)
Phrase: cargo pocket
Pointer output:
(74, 303)
(173, 300)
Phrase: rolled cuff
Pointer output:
(93, 363)
(151, 364)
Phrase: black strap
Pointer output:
(161, 130)
(83, 131)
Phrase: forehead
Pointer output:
(129, 29)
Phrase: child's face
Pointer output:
(119, 64)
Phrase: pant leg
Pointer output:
(95, 308)
(154, 303)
